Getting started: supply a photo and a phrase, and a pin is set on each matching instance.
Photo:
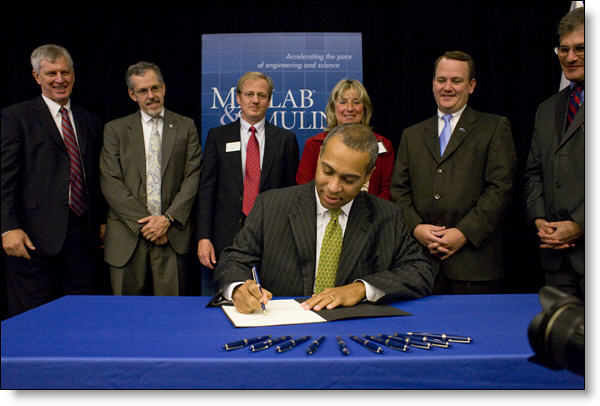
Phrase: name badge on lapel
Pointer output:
(382, 149)
(233, 146)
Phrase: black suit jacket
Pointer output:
(279, 237)
(555, 174)
(36, 170)
(221, 189)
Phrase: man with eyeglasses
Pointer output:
(149, 172)
(555, 172)
(241, 159)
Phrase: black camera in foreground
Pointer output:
(557, 334)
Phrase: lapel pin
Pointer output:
(170, 125)
(462, 130)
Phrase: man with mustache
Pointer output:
(52, 208)
(150, 167)
(453, 177)
(555, 172)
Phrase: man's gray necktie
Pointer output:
(153, 170)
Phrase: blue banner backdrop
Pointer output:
(304, 68)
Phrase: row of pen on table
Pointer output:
(396, 341)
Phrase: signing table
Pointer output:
(175, 342)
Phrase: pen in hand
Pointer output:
(257, 281)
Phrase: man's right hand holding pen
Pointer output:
(247, 297)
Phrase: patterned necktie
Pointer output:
(330, 253)
(153, 177)
(252, 172)
(77, 196)
(574, 102)
(446, 133)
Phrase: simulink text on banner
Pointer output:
(304, 68)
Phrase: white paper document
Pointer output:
(279, 312)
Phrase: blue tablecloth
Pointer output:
(175, 342)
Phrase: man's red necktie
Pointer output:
(77, 195)
(252, 172)
(574, 102)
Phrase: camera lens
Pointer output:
(557, 334)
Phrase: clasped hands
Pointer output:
(155, 229)
(558, 235)
(247, 297)
(439, 240)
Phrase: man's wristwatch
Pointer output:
(169, 217)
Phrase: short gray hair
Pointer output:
(139, 69)
(50, 53)
(571, 21)
(357, 137)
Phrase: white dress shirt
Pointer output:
(147, 127)
(323, 217)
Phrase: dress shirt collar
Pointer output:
(321, 209)
(260, 126)
(148, 118)
(455, 116)
(54, 107)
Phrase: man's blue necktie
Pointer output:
(446, 133)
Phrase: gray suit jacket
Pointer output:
(123, 182)
(279, 237)
(469, 187)
(555, 174)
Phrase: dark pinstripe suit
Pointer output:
(279, 237)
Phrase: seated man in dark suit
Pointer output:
(326, 238)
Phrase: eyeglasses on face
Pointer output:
(563, 50)
(154, 89)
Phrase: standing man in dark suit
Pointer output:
(555, 172)
(51, 202)
(327, 237)
(453, 178)
(149, 171)
(224, 200)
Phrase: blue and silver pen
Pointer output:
(445, 337)
(407, 340)
(244, 342)
(288, 345)
(368, 344)
(257, 281)
(268, 343)
(427, 339)
(314, 346)
(395, 345)
(342, 346)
